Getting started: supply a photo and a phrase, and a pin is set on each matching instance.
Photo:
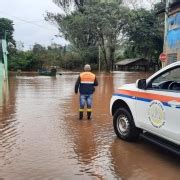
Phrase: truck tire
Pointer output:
(124, 126)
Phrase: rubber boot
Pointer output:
(80, 115)
(88, 115)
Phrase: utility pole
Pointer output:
(99, 50)
(165, 30)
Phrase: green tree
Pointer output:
(75, 28)
(100, 24)
(39, 56)
(145, 35)
(108, 21)
(6, 25)
(21, 60)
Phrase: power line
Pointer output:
(32, 22)
(35, 21)
(29, 22)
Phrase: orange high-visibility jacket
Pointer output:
(85, 83)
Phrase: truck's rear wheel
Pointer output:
(124, 125)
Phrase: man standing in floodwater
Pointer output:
(85, 83)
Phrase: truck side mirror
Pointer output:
(141, 84)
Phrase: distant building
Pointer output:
(171, 47)
(135, 64)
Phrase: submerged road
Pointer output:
(42, 138)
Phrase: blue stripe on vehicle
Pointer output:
(142, 99)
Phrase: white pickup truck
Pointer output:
(150, 108)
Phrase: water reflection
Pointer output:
(42, 138)
(4, 91)
(142, 161)
(8, 124)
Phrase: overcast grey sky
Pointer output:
(34, 11)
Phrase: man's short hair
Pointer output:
(87, 67)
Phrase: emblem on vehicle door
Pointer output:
(156, 114)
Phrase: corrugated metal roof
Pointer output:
(128, 61)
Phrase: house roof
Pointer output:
(128, 61)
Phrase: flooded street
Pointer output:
(42, 138)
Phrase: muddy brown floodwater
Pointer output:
(42, 138)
